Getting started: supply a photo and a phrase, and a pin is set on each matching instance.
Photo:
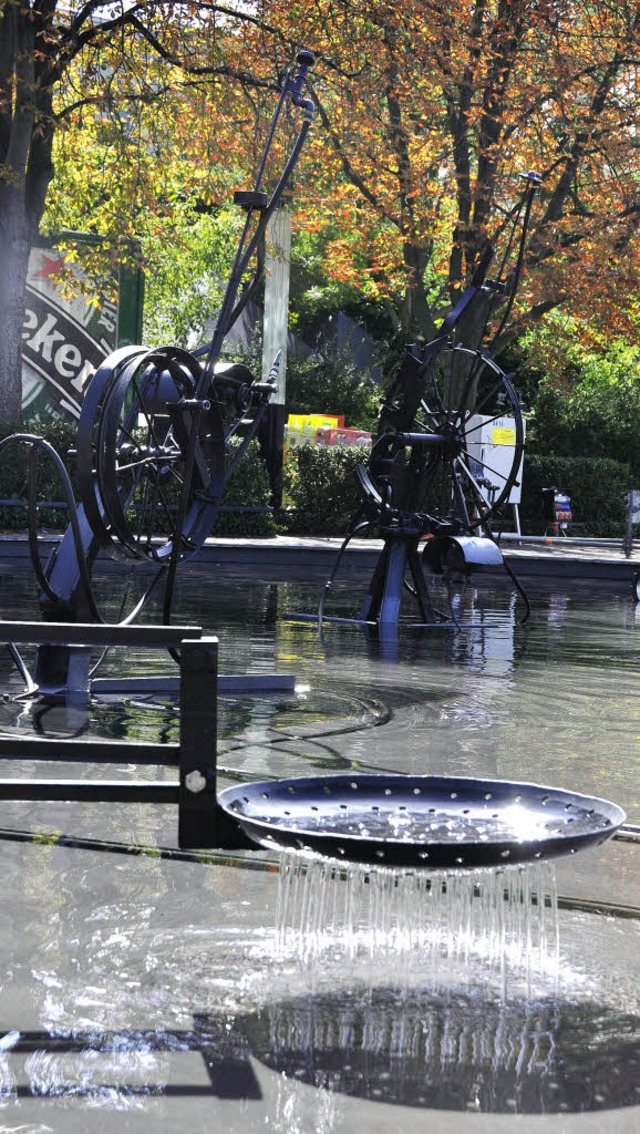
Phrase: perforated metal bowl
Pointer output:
(420, 821)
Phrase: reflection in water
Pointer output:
(438, 990)
(458, 1052)
(433, 992)
(124, 1070)
(488, 646)
(494, 699)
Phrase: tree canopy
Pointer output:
(94, 86)
(427, 114)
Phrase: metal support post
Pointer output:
(202, 824)
(275, 339)
(61, 667)
(384, 597)
(390, 598)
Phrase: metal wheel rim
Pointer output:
(458, 416)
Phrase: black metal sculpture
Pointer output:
(156, 425)
(153, 435)
(428, 478)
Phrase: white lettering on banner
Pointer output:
(30, 323)
(67, 360)
(64, 338)
(69, 363)
(81, 379)
(45, 338)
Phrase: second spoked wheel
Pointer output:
(458, 453)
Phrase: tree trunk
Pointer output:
(416, 317)
(15, 247)
(27, 49)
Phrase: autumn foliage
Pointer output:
(427, 113)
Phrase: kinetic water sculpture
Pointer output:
(432, 475)
(153, 437)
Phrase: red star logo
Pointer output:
(51, 268)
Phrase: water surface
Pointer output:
(144, 986)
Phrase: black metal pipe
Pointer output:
(421, 440)
(88, 634)
(90, 791)
(90, 751)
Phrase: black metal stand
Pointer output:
(384, 597)
(202, 824)
(201, 821)
(271, 438)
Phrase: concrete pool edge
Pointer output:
(576, 560)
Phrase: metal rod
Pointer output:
(564, 541)
(231, 685)
(90, 791)
(248, 245)
(424, 440)
(91, 751)
(90, 634)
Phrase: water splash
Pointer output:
(495, 926)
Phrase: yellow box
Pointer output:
(502, 436)
(309, 422)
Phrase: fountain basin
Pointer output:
(421, 821)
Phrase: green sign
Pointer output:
(64, 340)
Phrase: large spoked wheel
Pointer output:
(461, 454)
(151, 456)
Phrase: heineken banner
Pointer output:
(65, 339)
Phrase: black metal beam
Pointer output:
(202, 823)
(91, 634)
(228, 684)
(91, 751)
(90, 791)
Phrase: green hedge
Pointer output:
(323, 495)
(320, 488)
(321, 491)
(598, 488)
(13, 474)
(248, 488)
